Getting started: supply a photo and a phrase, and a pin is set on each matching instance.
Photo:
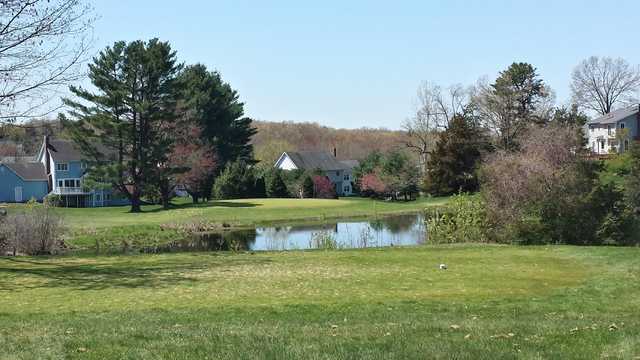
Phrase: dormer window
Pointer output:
(62, 167)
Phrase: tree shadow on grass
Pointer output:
(207, 205)
(105, 275)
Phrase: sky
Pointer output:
(352, 64)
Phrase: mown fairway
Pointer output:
(493, 302)
(243, 212)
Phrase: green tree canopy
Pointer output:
(126, 125)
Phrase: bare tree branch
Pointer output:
(43, 43)
(601, 85)
(435, 109)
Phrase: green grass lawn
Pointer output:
(243, 212)
(493, 302)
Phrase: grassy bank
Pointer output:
(244, 212)
(493, 302)
(112, 226)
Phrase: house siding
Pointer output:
(36, 189)
(596, 131)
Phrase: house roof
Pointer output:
(64, 150)
(311, 160)
(615, 116)
(33, 171)
(350, 163)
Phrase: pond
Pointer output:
(398, 230)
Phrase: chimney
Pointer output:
(335, 152)
(47, 163)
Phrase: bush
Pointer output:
(308, 187)
(324, 189)
(36, 231)
(237, 181)
(275, 186)
(53, 200)
(464, 221)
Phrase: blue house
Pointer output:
(19, 182)
(58, 169)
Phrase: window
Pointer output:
(346, 177)
(62, 167)
(60, 183)
(83, 165)
(70, 183)
(346, 188)
(107, 197)
(338, 173)
(622, 125)
(609, 129)
(98, 197)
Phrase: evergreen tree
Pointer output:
(126, 126)
(572, 117)
(237, 181)
(308, 187)
(215, 107)
(275, 186)
(452, 168)
(513, 102)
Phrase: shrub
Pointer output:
(237, 181)
(36, 231)
(465, 220)
(324, 189)
(372, 186)
(54, 200)
(308, 187)
(275, 186)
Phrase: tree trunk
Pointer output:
(135, 202)
(165, 201)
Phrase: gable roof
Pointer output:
(33, 171)
(311, 160)
(615, 116)
(64, 150)
(350, 163)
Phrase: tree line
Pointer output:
(529, 159)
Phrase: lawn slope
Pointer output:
(492, 302)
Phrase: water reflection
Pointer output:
(400, 230)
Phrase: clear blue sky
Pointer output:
(358, 63)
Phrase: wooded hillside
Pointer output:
(273, 138)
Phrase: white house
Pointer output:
(340, 173)
(606, 132)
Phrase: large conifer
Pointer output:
(125, 126)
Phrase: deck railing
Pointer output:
(70, 191)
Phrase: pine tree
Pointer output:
(453, 164)
(275, 186)
(308, 187)
(131, 115)
(214, 106)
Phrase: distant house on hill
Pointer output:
(605, 133)
(340, 173)
(58, 169)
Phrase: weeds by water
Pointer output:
(323, 240)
